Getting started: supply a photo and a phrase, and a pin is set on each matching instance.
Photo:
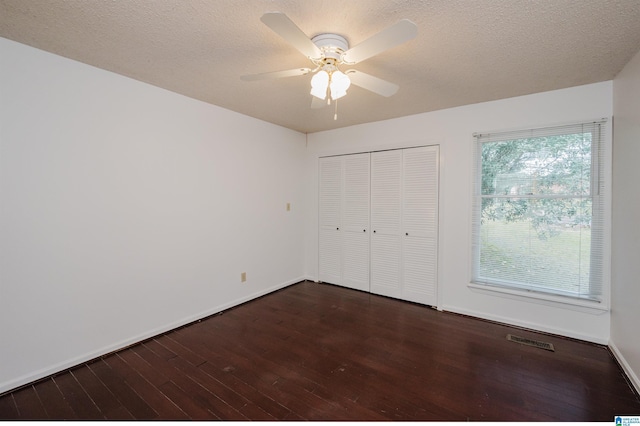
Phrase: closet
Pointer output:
(378, 222)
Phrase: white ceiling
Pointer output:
(466, 51)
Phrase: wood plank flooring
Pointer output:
(321, 352)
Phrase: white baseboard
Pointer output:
(53, 369)
(526, 324)
(633, 377)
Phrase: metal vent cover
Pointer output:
(529, 342)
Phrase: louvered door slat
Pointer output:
(419, 270)
(420, 196)
(355, 270)
(356, 192)
(330, 260)
(386, 184)
(385, 265)
(330, 191)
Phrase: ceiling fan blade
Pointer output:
(371, 83)
(285, 28)
(402, 31)
(318, 103)
(276, 74)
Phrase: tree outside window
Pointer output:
(536, 198)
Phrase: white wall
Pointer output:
(625, 265)
(127, 210)
(452, 129)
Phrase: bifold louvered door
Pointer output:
(404, 224)
(355, 222)
(420, 224)
(396, 191)
(344, 221)
(330, 218)
(386, 201)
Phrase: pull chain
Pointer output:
(335, 115)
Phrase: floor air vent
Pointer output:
(529, 342)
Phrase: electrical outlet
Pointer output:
(243, 277)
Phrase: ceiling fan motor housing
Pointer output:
(331, 45)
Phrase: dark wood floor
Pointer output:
(315, 351)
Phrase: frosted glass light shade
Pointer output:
(319, 84)
(339, 84)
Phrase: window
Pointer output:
(538, 211)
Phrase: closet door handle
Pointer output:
(374, 231)
(364, 230)
(406, 233)
(337, 229)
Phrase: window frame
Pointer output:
(599, 194)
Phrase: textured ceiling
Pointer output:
(466, 51)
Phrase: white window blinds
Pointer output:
(538, 210)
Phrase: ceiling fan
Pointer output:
(328, 52)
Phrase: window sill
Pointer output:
(587, 306)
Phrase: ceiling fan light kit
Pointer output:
(339, 83)
(328, 76)
(319, 83)
(328, 51)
